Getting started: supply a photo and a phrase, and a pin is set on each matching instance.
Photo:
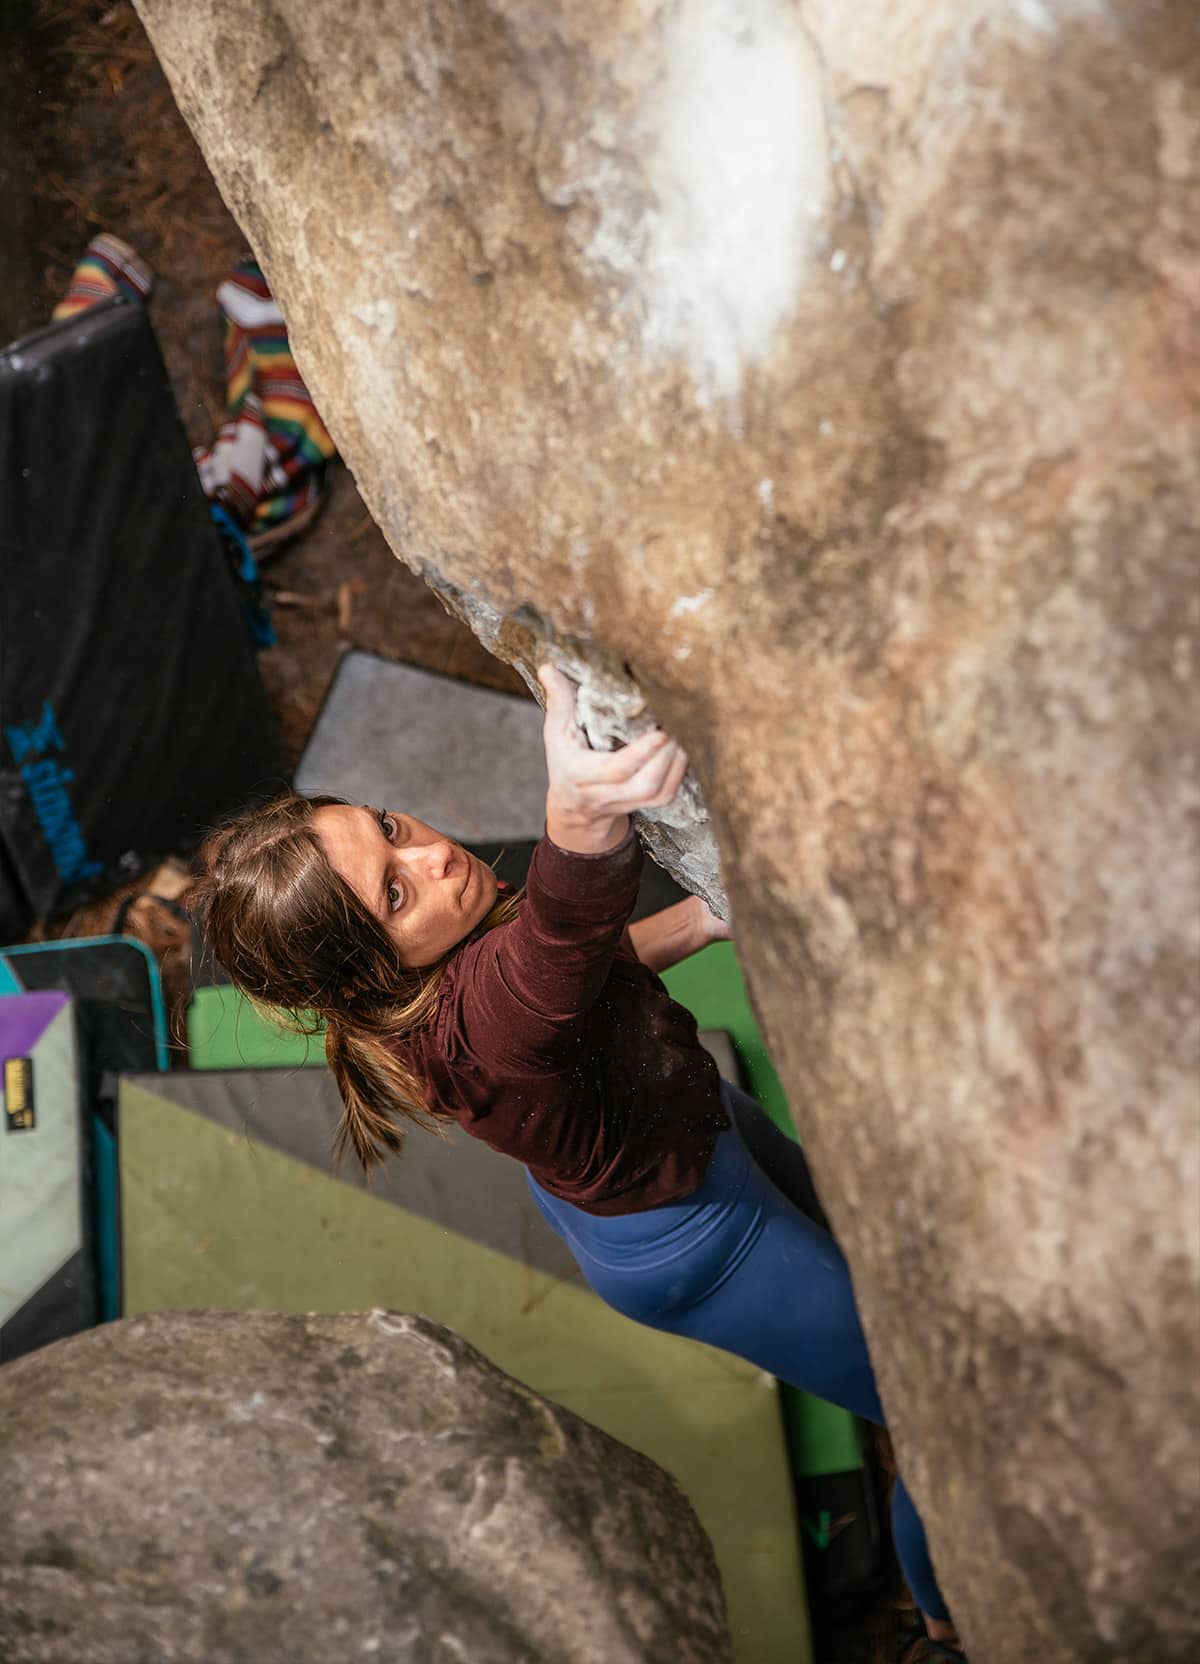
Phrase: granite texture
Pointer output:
(262, 1488)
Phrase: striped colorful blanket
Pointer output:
(109, 267)
(266, 467)
(267, 464)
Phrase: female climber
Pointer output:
(538, 1023)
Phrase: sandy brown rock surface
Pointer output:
(828, 379)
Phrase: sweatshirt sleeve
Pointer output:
(527, 984)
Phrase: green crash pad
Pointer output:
(227, 1201)
(226, 1032)
(823, 1438)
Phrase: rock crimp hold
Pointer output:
(226, 1488)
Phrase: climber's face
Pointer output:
(426, 891)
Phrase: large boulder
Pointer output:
(220, 1488)
(823, 378)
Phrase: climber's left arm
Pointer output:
(663, 939)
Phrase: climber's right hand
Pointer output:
(592, 793)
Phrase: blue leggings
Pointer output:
(747, 1263)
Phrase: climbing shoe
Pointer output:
(914, 1646)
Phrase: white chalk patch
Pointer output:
(1046, 15)
(378, 315)
(741, 176)
(690, 603)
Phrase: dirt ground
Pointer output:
(106, 149)
(112, 153)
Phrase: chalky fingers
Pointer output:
(656, 781)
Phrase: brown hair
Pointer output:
(292, 934)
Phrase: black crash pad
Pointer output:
(131, 710)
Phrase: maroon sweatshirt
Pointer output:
(554, 1044)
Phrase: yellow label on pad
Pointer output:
(18, 1094)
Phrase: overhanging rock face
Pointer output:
(826, 377)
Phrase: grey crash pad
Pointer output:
(461, 758)
(452, 1180)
